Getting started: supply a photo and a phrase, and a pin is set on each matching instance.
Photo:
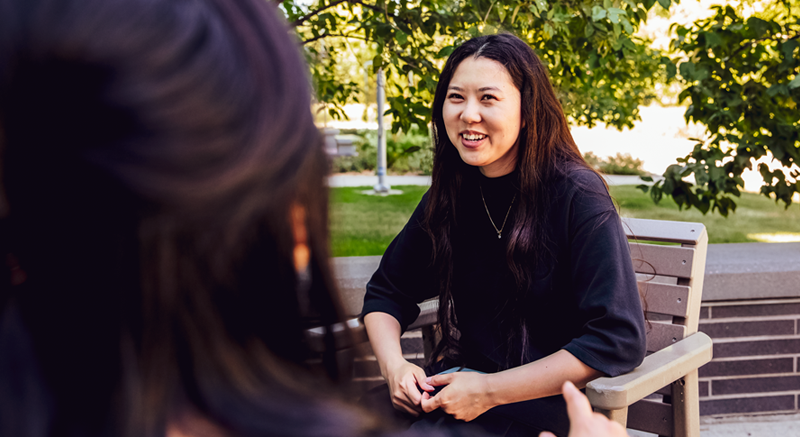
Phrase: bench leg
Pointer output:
(686, 406)
(619, 416)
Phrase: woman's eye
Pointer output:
(454, 96)
(488, 97)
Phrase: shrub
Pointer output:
(405, 152)
(617, 165)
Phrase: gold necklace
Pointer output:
(499, 231)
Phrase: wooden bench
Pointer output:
(660, 396)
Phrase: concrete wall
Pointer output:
(751, 309)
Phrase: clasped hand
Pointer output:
(465, 395)
(405, 381)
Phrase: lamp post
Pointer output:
(381, 186)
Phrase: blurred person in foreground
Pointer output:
(163, 231)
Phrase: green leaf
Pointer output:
(712, 39)
(795, 83)
(758, 26)
(548, 31)
(642, 15)
(501, 12)
(664, 4)
(401, 37)
(617, 11)
(598, 13)
(588, 30)
(778, 88)
(627, 25)
(377, 62)
(411, 150)
(613, 15)
(445, 52)
(788, 48)
(646, 178)
(644, 188)
(672, 70)
(656, 193)
(687, 70)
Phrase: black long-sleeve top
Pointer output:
(585, 300)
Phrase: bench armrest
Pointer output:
(657, 371)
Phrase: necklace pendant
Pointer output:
(498, 235)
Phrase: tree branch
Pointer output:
(313, 14)
(753, 43)
(334, 34)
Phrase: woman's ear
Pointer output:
(302, 254)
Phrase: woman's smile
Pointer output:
(471, 139)
(482, 115)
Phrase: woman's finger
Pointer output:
(429, 403)
(405, 403)
(411, 391)
(437, 380)
(546, 434)
(422, 381)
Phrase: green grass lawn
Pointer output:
(365, 225)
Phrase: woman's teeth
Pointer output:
(471, 137)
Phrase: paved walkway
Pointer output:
(779, 425)
(368, 181)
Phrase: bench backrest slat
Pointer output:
(665, 299)
(663, 231)
(661, 335)
(662, 260)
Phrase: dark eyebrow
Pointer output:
(486, 88)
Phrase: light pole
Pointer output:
(381, 186)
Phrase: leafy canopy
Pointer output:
(740, 73)
(741, 79)
(601, 71)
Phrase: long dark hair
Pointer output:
(545, 149)
(151, 153)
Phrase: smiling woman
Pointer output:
(520, 241)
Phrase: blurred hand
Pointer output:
(583, 422)
(465, 397)
(404, 380)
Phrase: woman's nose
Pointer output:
(471, 113)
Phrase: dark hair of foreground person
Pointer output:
(156, 159)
